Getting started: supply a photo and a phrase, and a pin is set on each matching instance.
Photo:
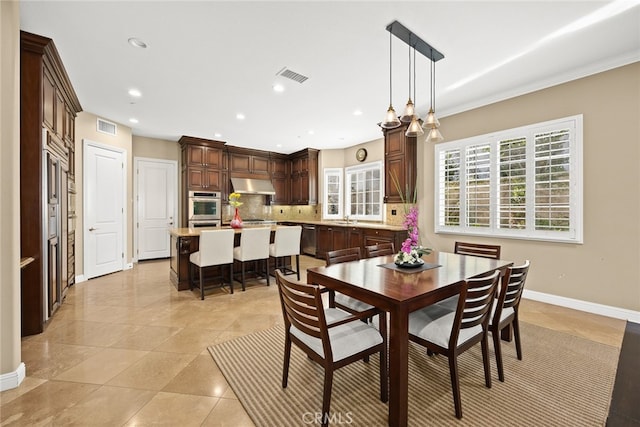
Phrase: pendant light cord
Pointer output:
(390, 68)
(414, 78)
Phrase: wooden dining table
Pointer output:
(399, 291)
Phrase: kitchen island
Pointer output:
(329, 235)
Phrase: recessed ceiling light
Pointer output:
(217, 135)
(135, 93)
(357, 113)
(279, 145)
(240, 116)
(133, 120)
(311, 132)
(135, 42)
(278, 87)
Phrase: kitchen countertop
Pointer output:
(186, 232)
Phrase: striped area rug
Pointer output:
(562, 381)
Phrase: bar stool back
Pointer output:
(287, 243)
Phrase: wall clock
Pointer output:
(361, 154)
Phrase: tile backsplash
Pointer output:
(254, 207)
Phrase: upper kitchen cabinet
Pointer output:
(247, 163)
(48, 108)
(304, 177)
(203, 164)
(400, 161)
(280, 178)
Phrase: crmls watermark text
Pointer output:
(335, 418)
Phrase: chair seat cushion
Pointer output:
(506, 312)
(352, 303)
(346, 340)
(450, 303)
(195, 258)
(434, 324)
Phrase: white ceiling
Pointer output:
(207, 61)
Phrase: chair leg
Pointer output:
(242, 265)
(287, 358)
(485, 360)
(495, 334)
(455, 384)
(326, 395)
(516, 334)
(266, 269)
(298, 266)
(384, 377)
(201, 285)
(231, 277)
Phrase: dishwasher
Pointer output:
(309, 239)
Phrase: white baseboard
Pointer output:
(128, 266)
(590, 307)
(80, 278)
(12, 379)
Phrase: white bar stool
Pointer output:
(216, 248)
(254, 245)
(286, 243)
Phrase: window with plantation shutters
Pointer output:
(364, 191)
(518, 183)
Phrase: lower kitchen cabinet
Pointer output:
(329, 238)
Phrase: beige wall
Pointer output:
(9, 187)
(606, 268)
(86, 129)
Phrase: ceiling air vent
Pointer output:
(107, 127)
(285, 72)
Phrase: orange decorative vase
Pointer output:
(236, 222)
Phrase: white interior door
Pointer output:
(156, 206)
(103, 195)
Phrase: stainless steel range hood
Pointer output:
(252, 186)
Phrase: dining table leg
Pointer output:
(398, 367)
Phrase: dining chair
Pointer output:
(330, 337)
(286, 243)
(339, 300)
(254, 246)
(477, 249)
(379, 250)
(215, 248)
(451, 333)
(506, 311)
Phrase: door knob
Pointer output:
(92, 229)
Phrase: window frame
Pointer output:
(377, 165)
(327, 172)
(575, 164)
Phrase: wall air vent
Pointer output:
(296, 77)
(107, 127)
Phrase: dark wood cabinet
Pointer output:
(203, 168)
(304, 177)
(354, 238)
(375, 237)
(280, 178)
(48, 107)
(202, 161)
(330, 238)
(249, 163)
(400, 161)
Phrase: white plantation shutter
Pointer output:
(520, 183)
(364, 191)
(449, 187)
(512, 191)
(478, 185)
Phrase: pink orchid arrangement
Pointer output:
(411, 225)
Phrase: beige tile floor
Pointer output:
(129, 349)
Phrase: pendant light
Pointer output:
(431, 121)
(414, 129)
(409, 109)
(391, 119)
